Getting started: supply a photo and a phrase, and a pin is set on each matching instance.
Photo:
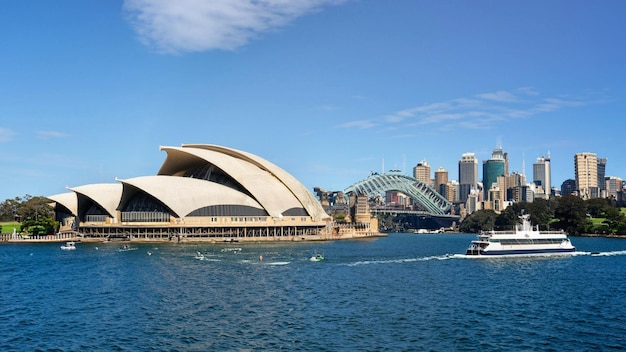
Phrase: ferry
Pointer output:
(524, 240)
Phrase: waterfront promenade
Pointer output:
(77, 237)
(59, 237)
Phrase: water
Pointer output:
(400, 293)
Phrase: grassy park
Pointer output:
(7, 227)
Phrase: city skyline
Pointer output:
(328, 90)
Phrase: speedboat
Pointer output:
(317, 258)
(69, 246)
(126, 248)
(524, 240)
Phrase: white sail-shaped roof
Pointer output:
(183, 195)
(273, 196)
(275, 189)
(69, 200)
(106, 195)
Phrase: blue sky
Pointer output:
(328, 90)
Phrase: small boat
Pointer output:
(126, 248)
(69, 246)
(199, 256)
(317, 258)
(525, 240)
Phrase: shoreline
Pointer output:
(11, 239)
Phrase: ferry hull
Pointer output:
(521, 252)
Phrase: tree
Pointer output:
(37, 216)
(597, 206)
(478, 221)
(541, 212)
(614, 220)
(571, 213)
(8, 209)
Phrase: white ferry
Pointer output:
(525, 240)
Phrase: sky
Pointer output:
(328, 90)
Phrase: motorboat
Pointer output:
(524, 240)
(317, 258)
(69, 246)
(126, 248)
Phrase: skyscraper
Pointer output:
(613, 186)
(601, 173)
(421, 172)
(492, 168)
(541, 175)
(468, 175)
(586, 170)
(441, 178)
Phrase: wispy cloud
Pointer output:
(178, 26)
(501, 96)
(481, 111)
(6, 135)
(50, 134)
(363, 124)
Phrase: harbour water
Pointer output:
(404, 292)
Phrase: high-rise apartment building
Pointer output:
(542, 176)
(421, 172)
(613, 186)
(493, 168)
(468, 175)
(586, 170)
(441, 178)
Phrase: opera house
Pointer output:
(203, 192)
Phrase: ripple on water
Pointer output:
(393, 294)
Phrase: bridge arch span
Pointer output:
(421, 193)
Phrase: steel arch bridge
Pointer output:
(420, 192)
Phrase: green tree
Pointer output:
(480, 220)
(614, 220)
(8, 209)
(597, 206)
(37, 215)
(571, 213)
(541, 212)
(508, 218)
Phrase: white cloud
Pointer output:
(363, 124)
(481, 111)
(50, 134)
(6, 135)
(501, 96)
(176, 26)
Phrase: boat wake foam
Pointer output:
(277, 263)
(406, 260)
(603, 254)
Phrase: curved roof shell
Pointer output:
(183, 195)
(105, 195)
(274, 189)
(68, 200)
